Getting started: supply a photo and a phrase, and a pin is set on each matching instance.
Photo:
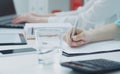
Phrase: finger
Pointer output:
(77, 44)
(76, 36)
(79, 37)
(67, 41)
(16, 19)
(19, 21)
(78, 31)
(67, 37)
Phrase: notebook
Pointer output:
(7, 14)
(12, 39)
(93, 48)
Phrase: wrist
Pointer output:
(89, 36)
(42, 20)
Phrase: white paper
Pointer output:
(9, 38)
(93, 47)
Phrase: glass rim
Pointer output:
(49, 29)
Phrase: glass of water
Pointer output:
(48, 41)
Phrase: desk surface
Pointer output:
(19, 64)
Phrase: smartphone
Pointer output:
(17, 51)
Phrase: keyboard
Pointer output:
(6, 22)
(96, 66)
(20, 26)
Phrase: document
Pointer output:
(9, 38)
(12, 39)
(92, 48)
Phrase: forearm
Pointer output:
(49, 15)
(67, 13)
(45, 15)
(40, 20)
(107, 32)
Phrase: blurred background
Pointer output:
(47, 6)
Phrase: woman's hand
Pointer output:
(30, 18)
(77, 40)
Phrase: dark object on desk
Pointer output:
(96, 66)
(14, 26)
(12, 39)
(17, 51)
(7, 14)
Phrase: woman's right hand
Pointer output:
(77, 40)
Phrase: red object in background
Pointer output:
(55, 11)
(74, 4)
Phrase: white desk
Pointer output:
(28, 64)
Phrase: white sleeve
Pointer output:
(97, 13)
(101, 11)
(67, 13)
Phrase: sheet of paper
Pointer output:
(93, 47)
(9, 38)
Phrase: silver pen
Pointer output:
(75, 27)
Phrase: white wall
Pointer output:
(41, 6)
(21, 6)
(63, 5)
(85, 1)
(45, 6)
